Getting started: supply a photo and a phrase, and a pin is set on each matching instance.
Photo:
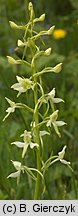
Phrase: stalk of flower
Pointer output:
(60, 158)
(56, 69)
(26, 142)
(40, 53)
(53, 121)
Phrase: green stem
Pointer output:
(25, 106)
(37, 139)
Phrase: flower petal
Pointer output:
(32, 145)
(60, 123)
(18, 144)
(6, 116)
(19, 79)
(64, 162)
(48, 123)
(56, 129)
(43, 133)
(62, 153)
(10, 110)
(14, 175)
(25, 149)
(10, 102)
(54, 115)
(18, 87)
(57, 100)
(52, 93)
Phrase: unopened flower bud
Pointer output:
(12, 60)
(50, 31)
(20, 43)
(13, 25)
(48, 51)
(57, 68)
(30, 6)
(42, 18)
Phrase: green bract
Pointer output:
(33, 139)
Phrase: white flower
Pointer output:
(26, 142)
(53, 121)
(43, 133)
(12, 107)
(61, 156)
(23, 85)
(18, 167)
(51, 96)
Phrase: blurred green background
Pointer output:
(61, 183)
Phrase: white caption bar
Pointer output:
(39, 207)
